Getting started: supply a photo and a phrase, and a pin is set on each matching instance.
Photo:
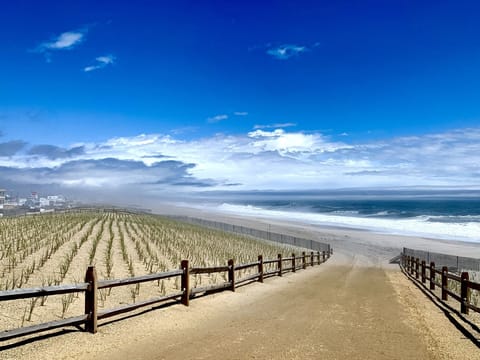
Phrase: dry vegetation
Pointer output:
(57, 248)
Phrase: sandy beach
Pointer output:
(365, 247)
(355, 306)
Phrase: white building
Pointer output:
(44, 202)
(56, 200)
(2, 198)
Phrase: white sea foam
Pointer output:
(424, 225)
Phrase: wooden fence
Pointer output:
(420, 271)
(91, 286)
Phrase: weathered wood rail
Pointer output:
(91, 286)
(419, 271)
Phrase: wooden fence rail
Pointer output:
(417, 270)
(91, 286)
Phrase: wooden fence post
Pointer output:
(260, 268)
(304, 260)
(231, 274)
(293, 263)
(318, 258)
(185, 282)
(464, 293)
(408, 264)
(91, 300)
(444, 283)
(417, 265)
(323, 255)
(279, 265)
(423, 271)
(311, 258)
(432, 276)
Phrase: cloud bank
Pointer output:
(153, 164)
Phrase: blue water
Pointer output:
(438, 210)
(443, 216)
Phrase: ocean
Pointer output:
(439, 215)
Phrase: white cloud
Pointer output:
(240, 113)
(261, 159)
(261, 133)
(65, 41)
(217, 118)
(100, 62)
(275, 126)
(286, 51)
(293, 143)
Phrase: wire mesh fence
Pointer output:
(261, 234)
(454, 263)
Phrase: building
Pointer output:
(2, 198)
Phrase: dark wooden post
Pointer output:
(423, 271)
(417, 265)
(260, 268)
(432, 276)
(464, 293)
(323, 256)
(185, 282)
(91, 300)
(231, 274)
(318, 258)
(293, 263)
(444, 283)
(408, 264)
(311, 258)
(279, 265)
(304, 260)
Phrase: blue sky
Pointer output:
(239, 95)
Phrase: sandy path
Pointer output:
(331, 314)
(333, 311)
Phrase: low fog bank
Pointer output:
(145, 196)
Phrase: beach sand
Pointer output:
(366, 248)
(356, 306)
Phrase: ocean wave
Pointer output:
(465, 228)
(345, 212)
(455, 219)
